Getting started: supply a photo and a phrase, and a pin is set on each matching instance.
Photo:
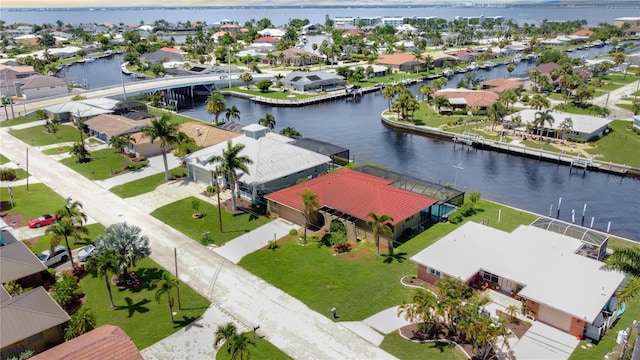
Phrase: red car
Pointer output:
(43, 220)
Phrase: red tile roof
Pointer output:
(356, 194)
(472, 97)
(584, 32)
(499, 85)
(171, 50)
(105, 342)
(547, 67)
(266, 39)
(397, 59)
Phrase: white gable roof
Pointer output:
(543, 261)
(581, 123)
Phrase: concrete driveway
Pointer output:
(542, 342)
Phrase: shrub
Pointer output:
(337, 238)
(455, 218)
(524, 99)
(459, 112)
(273, 245)
(576, 140)
(66, 291)
(467, 209)
(7, 174)
(293, 232)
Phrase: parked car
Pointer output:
(60, 253)
(86, 252)
(42, 220)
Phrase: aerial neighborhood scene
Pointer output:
(330, 181)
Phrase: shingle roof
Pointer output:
(309, 77)
(41, 81)
(114, 125)
(397, 59)
(105, 342)
(27, 314)
(357, 194)
(17, 261)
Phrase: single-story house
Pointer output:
(277, 163)
(267, 39)
(106, 126)
(40, 86)
(294, 56)
(312, 81)
(498, 85)
(312, 28)
(400, 61)
(162, 55)
(104, 342)
(348, 196)
(546, 69)
(584, 126)
(584, 33)
(9, 75)
(88, 108)
(440, 59)
(559, 286)
(468, 54)
(20, 264)
(206, 135)
(338, 154)
(270, 32)
(633, 31)
(464, 99)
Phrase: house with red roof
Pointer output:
(464, 99)
(266, 40)
(401, 61)
(348, 196)
(499, 85)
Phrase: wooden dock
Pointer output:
(334, 95)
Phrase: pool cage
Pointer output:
(449, 199)
(594, 243)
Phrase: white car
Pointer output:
(60, 253)
(86, 252)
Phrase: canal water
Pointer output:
(520, 182)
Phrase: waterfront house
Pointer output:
(9, 75)
(312, 81)
(544, 269)
(440, 59)
(277, 163)
(271, 40)
(348, 196)
(40, 86)
(400, 61)
(377, 70)
(632, 31)
(162, 55)
(106, 126)
(294, 56)
(498, 85)
(269, 32)
(464, 99)
(585, 127)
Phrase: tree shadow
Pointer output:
(148, 275)
(399, 257)
(440, 345)
(185, 321)
(137, 307)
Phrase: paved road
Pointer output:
(286, 322)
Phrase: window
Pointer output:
(35, 338)
(435, 272)
(490, 277)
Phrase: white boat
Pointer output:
(447, 72)
(531, 57)
(487, 65)
(472, 66)
(89, 59)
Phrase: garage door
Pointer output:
(201, 176)
(554, 318)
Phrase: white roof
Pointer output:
(75, 108)
(272, 157)
(277, 33)
(581, 123)
(543, 261)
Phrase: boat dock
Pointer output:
(334, 95)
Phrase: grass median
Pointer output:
(262, 350)
(146, 184)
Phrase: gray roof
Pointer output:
(303, 77)
(160, 56)
(28, 314)
(41, 81)
(17, 261)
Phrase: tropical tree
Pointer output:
(535, 75)
(291, 132)
(512, 311)
(163, 286)
(246, 78)
(381, 224)
(127, 241)
(82, 321)
(216, 104)
(232, 113)
(423, 90)
(64, 229)
(539, 102)
(103, 264)
(440, 102)
(542, 118)
(230, 162)
(167, 133)
(627, 261)
(565, 127)
(51, 125)
(119, 143)
(508, 97)
(240, 347)
(224, 333)
(496, 114)
(421, 309)
(72, 211)
(510, 68)
(268, 120)
(309, 203)
(80, 151)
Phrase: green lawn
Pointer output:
(426, 115)
(404, 349)
(37, 136)
(57, 151)
(138, 314)
(262, 350)
(609, 87)
(178, 216)
(144, 185)
(322, 280)
(572, 109)
(175, 118)
(620, 78)
(42, 243)
(621, 146)
(470, 128)
(273, 94)
(533, 144)
(19, 120)
(102, 165)
(39, 200)
(3, 159)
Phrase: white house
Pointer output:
(276, 163)
(276, 33)
(584, 126)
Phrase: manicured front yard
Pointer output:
(42, 243)
(18, 120)
(262, 350)
(138, 314)
(37, 201)
(146, 184)
(321, 280)
(404, 349)
(38, 136)
(621, 145)
(103, 164)
(178, 215)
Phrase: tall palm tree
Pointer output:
(309, 203)
(240, 347)
(268, 120)
(216, 104)
(167, 132)
(80, 151)
(82, 321)
(224, 333)
(63, 229)
(103, 264)
(164, 285)
(440, 102)
(232, 113)
(230, 162)
(422, 309)
(246, 78)
(73, 211)
(381, 224)
(628, 262)
(542, 118)
(496, 114)
(127, 241)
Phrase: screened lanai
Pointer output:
(595, 243)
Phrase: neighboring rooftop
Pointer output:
(17, 261)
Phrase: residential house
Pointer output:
(464, 99)
(104, 342)
(338, 154)
(294, 56)
(632, 31)
(271, 40)
(498, 85)
(269, 32)
(106, 126)
(407, 29)
(440, 60)
(353, 32)
(544, 269)
(86, 109)
(312, 28)
(401, 61)
(377, 70)
(348, 196)
(470, 54)
(40, 86)
(9, 75)
(162, 55)
(276, 163)
(584, 33)
(585, 127)
(18, 263)
(633, 20)
(546, 69)
(313, 81)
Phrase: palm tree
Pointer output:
(279, 78)
(422, 309)
(542, 118)
(230, 162)
(127, 241)
(82, 321)
(381, 224)
(510, 68)
(423, 90)
(268, 120)
(80, 151)
(246, 78)
(216, 104)
(167, 132)
(164, 285)
(119, 143)
(224, 333)
(496, 114)
(565, 127)
(63, 229)
(441, 101)
(310, 202)
(626, 261)
(233, 113)
(240, 347)
(102, 264)
(534, 75)
(539, 102)
(291, 132)
(512, 311)
(72, 211)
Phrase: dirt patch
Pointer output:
(15, 220)
(240, 204)
(518, 328)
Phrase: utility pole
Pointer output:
(229, 62)
(175, 259)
